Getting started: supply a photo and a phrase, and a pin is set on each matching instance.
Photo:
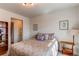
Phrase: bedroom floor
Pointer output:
(60, 54)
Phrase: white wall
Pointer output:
(6, 16)
(50, 22)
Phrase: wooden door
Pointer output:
(12, 32)
(16, 30)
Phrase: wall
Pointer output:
(50, 22)
(6, 16)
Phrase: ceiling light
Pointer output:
(28, 4)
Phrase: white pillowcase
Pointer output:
(46, 36)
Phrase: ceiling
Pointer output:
(37, 9)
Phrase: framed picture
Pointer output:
(64, 25)
(35, 27)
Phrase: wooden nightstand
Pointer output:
(66, 50)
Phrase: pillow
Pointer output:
(40, 36)
(51, 36)
(37, 35)
(46, 36)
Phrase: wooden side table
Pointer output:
(66, 50)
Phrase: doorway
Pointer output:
(16, 30)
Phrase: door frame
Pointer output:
(12, 18)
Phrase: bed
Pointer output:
(33, 47)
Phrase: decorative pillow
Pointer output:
(40, 36)
(51, 36)
(37, 36)
(46, 36)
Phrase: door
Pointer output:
(12, 32)
(16, 30)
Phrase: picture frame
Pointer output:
(64, 25)
(35, 27)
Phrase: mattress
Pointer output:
(33, 47)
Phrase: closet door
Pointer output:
(12, 32)
(17, 30)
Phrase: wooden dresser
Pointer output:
(3, 50)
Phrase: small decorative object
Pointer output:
(35, 27)
(64, 25)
